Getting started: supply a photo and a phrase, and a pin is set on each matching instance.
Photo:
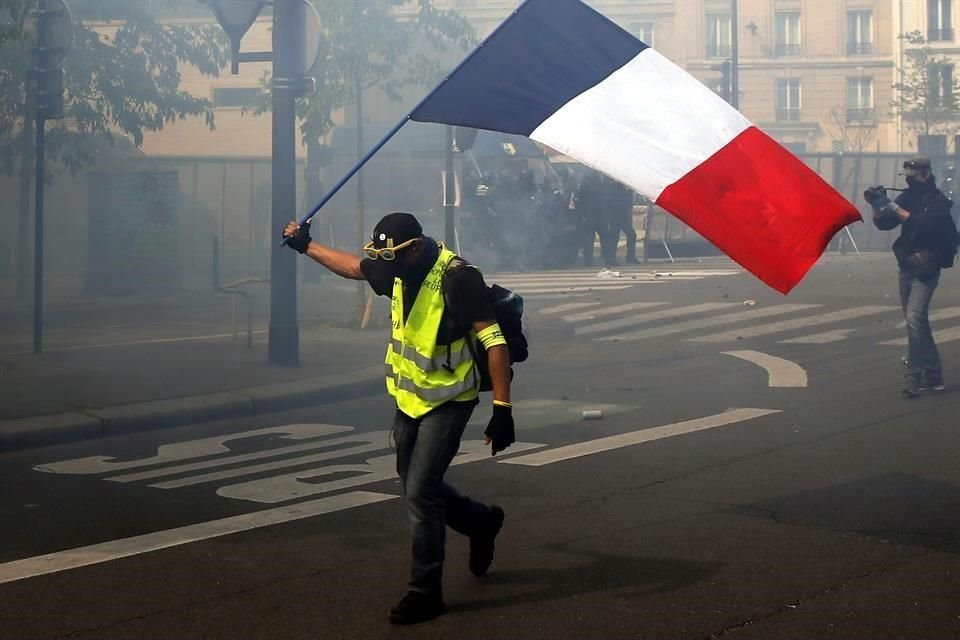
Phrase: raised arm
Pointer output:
(342, 263)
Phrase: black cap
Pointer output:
(916, 165)
(394, 229)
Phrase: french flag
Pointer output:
(562, 74)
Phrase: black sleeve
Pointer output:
(469, 297)
(379, 275)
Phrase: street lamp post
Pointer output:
(734, 56)
(289, 18)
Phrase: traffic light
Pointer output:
(47, 85)
(53, 35)
(724, 80)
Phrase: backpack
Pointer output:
(508, 310)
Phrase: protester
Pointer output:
(432, 375)
(927, 243)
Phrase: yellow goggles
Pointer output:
(387, 253)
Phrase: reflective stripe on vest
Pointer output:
(417, 372)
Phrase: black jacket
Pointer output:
(928, 238)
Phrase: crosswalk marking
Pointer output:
(565, 289)
(797, 323)
(610, 311)
(942, 314)
(570, 306)
(944, 335)
(651, 317)
(825, 337)
(689, 325)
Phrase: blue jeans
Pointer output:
(425, 448)
(923, 359)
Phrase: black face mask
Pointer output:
(413, 274)
(918, 185)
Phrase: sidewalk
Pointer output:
(114, 365)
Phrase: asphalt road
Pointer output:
(756, 474)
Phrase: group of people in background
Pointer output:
(604, 209)
(526, 221)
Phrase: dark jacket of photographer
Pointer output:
(928, 237)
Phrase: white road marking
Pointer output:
(942, 314)
(363, 442)
(580, 288)
(610, 311)
(798, 323)
(821, 338)
(945, 335)
(191, 449)
(637, 437)
(560, 308)
(780, 371)
(651, 317)
(690, 325)
(116, 549)
(300, 484)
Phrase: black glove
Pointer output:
(301, 239)
(873, 194)
(500, 429)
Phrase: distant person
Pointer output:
(927, 243)
(432, 376)
(618, 204)
(592, 222)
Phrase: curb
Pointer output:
(38, 431)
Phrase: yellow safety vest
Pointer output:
(421, 374)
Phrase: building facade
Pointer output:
(817, 75)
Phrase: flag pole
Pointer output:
(409, 116)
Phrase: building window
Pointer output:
(643, 31)
(234, 96)
(718, 35)
(939, 20)
(942, 94)
(795, 148)
(860, 100)
(859, 33)
(788, 99)
(788, 33)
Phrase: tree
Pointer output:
(368, 45)
(126, 82)
(853, 133)
(926, 96)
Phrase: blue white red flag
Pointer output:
(562, 74)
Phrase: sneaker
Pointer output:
(911, 388)
(481, 545)
(931, 384)
(417, 607)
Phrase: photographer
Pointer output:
(927, 243)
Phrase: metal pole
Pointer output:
(284, 338)
(449, 193)
(734, 57)
(38, 240)
(361, 209)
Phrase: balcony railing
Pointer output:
(790, 114)
(787, 50)
(939, 35)
(859, 48)
(860, 115)
(718, 51)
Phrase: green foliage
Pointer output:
(925, 104)
(369, 44)
(12, 13)
(124, 79)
